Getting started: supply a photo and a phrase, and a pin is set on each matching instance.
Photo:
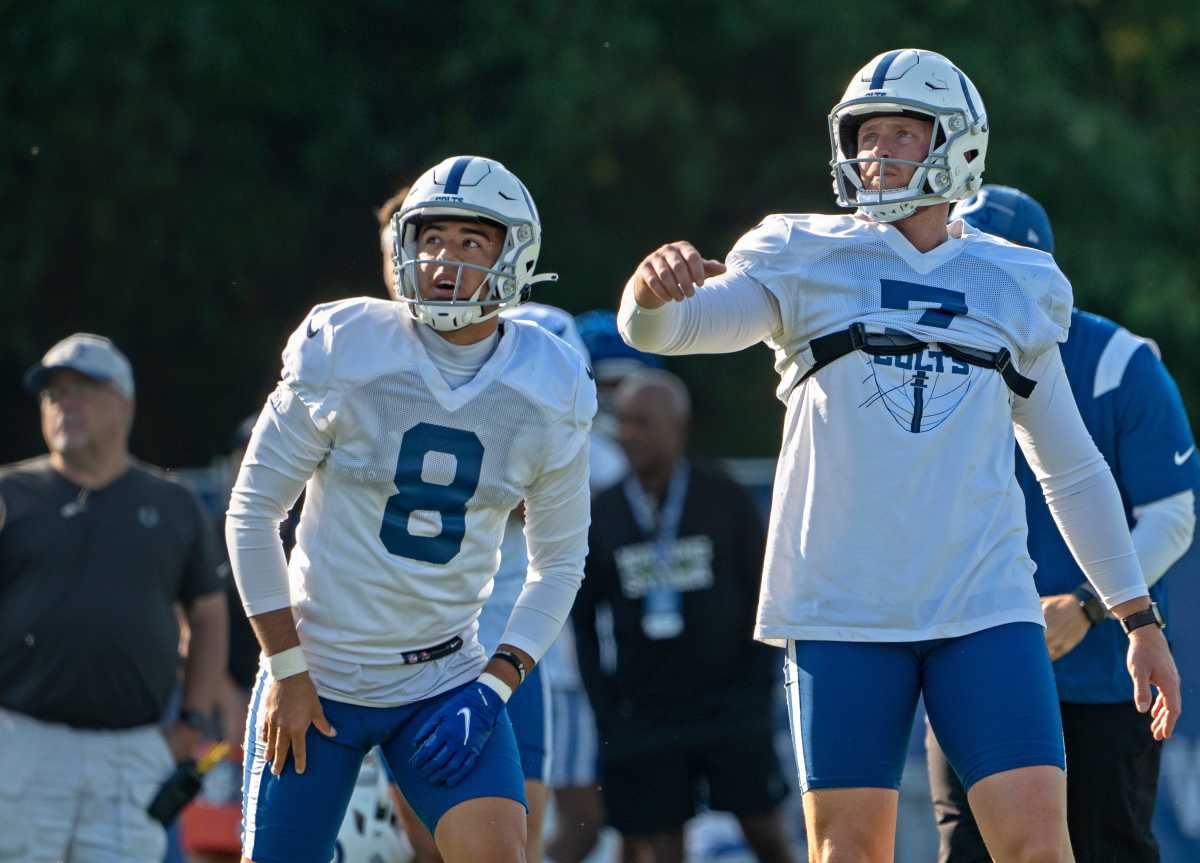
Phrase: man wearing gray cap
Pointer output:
(96, 550)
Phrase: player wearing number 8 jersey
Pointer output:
(896, 563)
(417, 425)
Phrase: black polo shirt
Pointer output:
(88, 585)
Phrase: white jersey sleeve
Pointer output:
(557, 503)
(291, 438)
(1164, 532)
(727, 313)
(557, 517)
(1079, 487)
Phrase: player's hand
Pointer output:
(292, 706)
(1066, 624)
(450, 742)
(1150, 663)
(671, 272)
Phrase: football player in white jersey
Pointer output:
(896, 563)
(417, 425)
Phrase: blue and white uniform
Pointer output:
(897, 529)
(413, 452)
(1138, 421)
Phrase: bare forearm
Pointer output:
(1138, 603)
(275, 630)
(208, 652)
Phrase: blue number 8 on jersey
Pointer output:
(425, 485)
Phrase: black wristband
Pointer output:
(1093, 608)
(513, 660)
(1145, 617)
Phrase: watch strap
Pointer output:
(1093, 608)
(1145, 617)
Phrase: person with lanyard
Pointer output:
(1134, 412)
(681, 691)
(578, 803)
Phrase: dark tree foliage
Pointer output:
(189, 178)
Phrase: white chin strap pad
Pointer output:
(889, 212)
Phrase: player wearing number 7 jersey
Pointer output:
(896, 563)
(417, 424)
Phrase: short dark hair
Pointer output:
(389, 207)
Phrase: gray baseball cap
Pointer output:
(88, 354)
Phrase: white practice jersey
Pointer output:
(896, 513)
(409, 487)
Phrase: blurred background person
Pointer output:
(612, 361)
(1134, 412)
(681, 691)
(212, 823)
(578, 804)
(97, 550)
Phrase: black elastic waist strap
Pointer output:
(834, 346)
(428, 654)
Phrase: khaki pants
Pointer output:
(79, 796)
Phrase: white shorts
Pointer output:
(575, 742)
(79, 796)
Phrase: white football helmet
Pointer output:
(911, 81)
(370, 832)
(476, 189)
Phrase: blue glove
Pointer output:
(450, 742)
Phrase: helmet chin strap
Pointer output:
(888, 212)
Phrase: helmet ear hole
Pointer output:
(848, 135)
(970, 155)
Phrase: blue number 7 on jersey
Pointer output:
(905, 295)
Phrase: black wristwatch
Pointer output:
(1093, 608)
(1145, 617)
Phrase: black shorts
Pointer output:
(1112, 780)
(658, 792)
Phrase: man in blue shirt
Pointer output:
(1135, 414)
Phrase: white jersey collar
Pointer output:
(921, 262)
(450, 398)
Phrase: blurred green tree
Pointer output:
(189, 178)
